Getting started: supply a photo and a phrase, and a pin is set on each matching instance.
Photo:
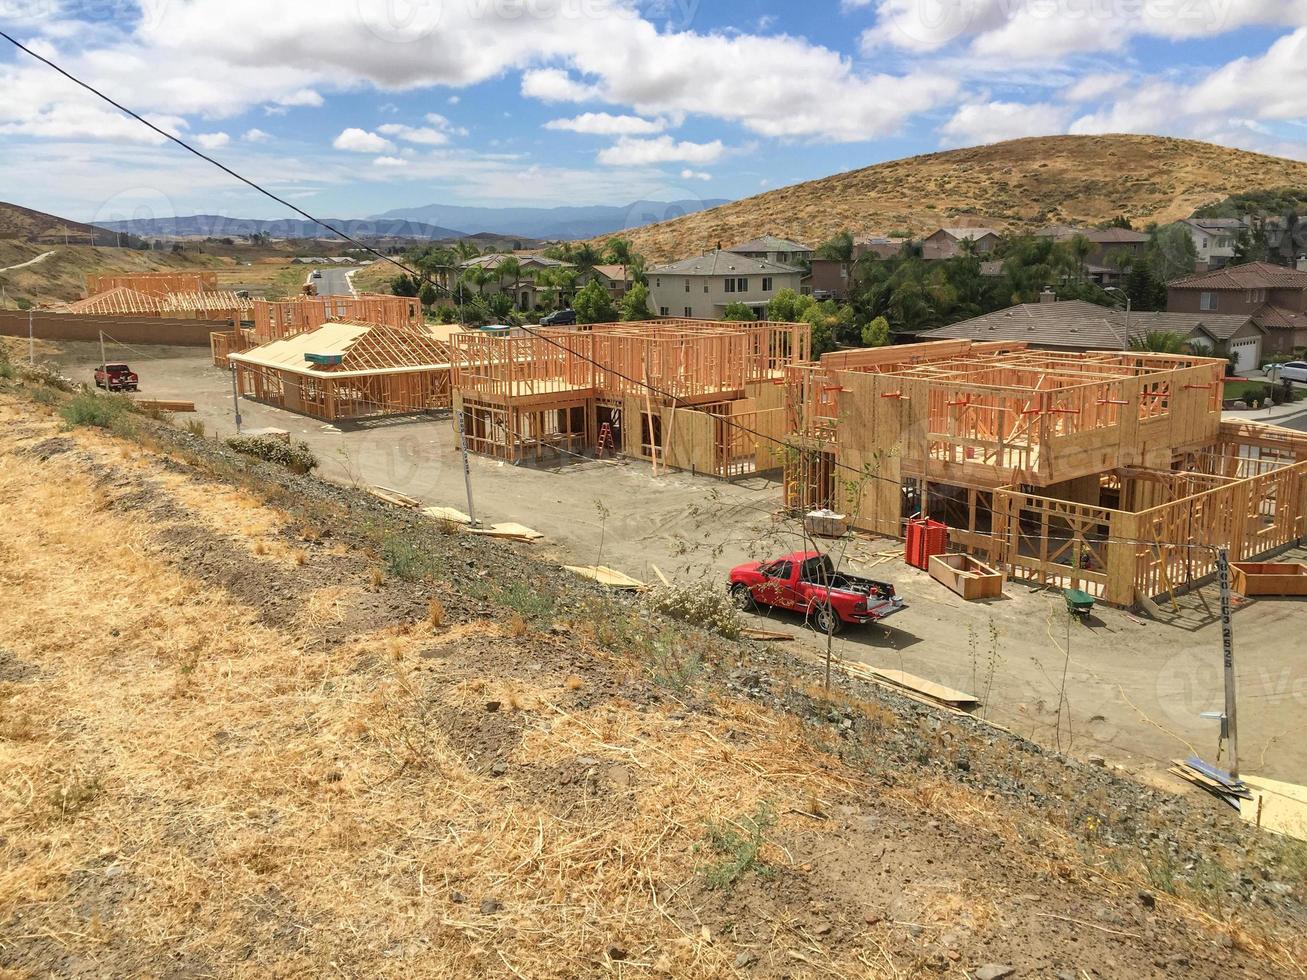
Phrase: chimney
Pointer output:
(1048, 296)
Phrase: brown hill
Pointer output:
(37, 226)
(1018, 184)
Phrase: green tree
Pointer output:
(427, 295)
(593, 304)
(876, 333)
(1250, 246)
(1160, 342)
(404, 285)
(635, 304)
(1171, 252)
(738, 312)
(838, 248)
(788, 306)
(619, 251)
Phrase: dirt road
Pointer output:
(1135, 689)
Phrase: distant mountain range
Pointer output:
(432, 222)
(23, 223)
(221, 226)
(551, 223)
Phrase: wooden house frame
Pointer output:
(153, 283)
(1108, 471)
(274, 320)
(200, 305)
(677, 392)
(346, 371)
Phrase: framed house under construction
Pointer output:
(665, 391)
(344, 371)
(1111, 472)
(274, 320)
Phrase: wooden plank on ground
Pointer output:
(515, 532)
(939, 692)
(446, 514)
(606, 576)
(161, 405)
(393, 497)
(659, 572)
(1276, 806)
(769, 635)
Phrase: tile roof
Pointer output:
(721, 263)
(975, 234)
(615, 272)
(770, 243)
(1079, 325)
(1278, 318)
(1115, 236)
(493, 260)
(1254, 275)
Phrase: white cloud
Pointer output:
(605, 124)
(636, 152)
(212, 141)
(387, 161)
(688, 174)
(1095, 86)
(991, 122)
(256, 136)
(361, 141)
(555, 85)
(415, 134)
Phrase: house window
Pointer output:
(766, 284)
(705, 287)
(730, 285)
(689, 312)
(1256, 296)
(1207, 302)
(687, 285)
(664, 311)
(658, 283)
(742, 286)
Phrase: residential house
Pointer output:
(525, 290)
(1104, 242)
(1074, 325)
(614, 278)
(831, 278)
(1214, 240)
(700, 288)
(769, 248)
(1275, 298)
(946, 243)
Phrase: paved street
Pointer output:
(334, 281)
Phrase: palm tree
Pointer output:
(478, 276)
(619, 251)
(1160, 342)
(1079, 246)
(510, 267)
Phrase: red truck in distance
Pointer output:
(807, 582)
(116, 377)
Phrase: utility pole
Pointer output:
(235, 399)
(467, 466)
(104, 364)
(1230, 728)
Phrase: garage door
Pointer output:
(1246, 351)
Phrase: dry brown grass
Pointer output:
(1012, 185)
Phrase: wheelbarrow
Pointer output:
(1078, 602)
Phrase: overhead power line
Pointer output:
(419, 276)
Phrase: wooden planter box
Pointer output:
(966, 576)
(1263, 578)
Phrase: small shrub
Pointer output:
(673, 662)
(295, 456)
(405, 560)
(44, 374)
(517, 625)
(699, 606)
(739, 847)
(101, 411)
(377, 577)
(195, 427)
(436, 613)
(527, 600)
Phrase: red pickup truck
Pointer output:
(807, 582)
(116, 377)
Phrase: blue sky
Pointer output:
(354, 107)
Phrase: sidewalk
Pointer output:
(1295, 412)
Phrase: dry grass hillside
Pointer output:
(1017, 184)
(24, 223)
(253, 724)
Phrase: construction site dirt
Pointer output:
(1136, 687)
(259, 723)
